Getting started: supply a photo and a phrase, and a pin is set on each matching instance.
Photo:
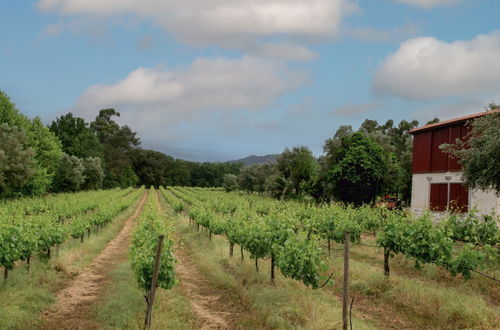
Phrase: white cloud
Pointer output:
(157, 98)
(426, 68)
(429, 3)
(283, 50)
(221, 22)
(458, 108)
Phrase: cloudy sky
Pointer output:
(211, 80)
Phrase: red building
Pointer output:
(437, 177)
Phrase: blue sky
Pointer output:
(214, 80)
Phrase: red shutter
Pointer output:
(455, 133)
(439, 197)
(459, 197)
(439, 160)
(422, 152)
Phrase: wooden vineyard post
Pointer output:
(345, 291)
(329, 249)
(152, 290)
(272, 269)
(386, 262)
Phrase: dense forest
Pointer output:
(71, 155)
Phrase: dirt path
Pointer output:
(215, 308)
(73, 302)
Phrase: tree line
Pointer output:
(71, 154)
(376, 159)
(357, 165)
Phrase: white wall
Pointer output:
(485, 202)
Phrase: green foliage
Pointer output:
(93, 173)
(45, 145)
(230, 182)
(16, 160)
(301, 259)
(33, 225)
(151, 167)
(467, 260)
(70, 176)
(299, 166)
(118, 143)
(358, 175)
(478, 154)
(143, 248)
(76, 137)
(472, 229)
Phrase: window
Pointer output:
(439, 197)
(459, 197)
(452, 196)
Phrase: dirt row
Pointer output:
(74, 301)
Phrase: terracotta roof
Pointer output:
(451, 121)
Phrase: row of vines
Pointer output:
(151, 253)
(296, 237)
(32, 226)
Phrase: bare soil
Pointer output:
(74, 301)
(214, 307)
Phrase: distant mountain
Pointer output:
(252, 160)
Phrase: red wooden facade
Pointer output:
(427, 157)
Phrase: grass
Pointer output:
(423, 298)
(25, 295)
(288, 305)
(411, 298)
(122, 306)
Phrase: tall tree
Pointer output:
(46, 146)
(151, 167)
(76, 137)
(299, 166)
(118, 143)
(93, 173)
(358, 174)
(70, 175)
(16, 160)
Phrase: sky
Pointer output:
(217, 80)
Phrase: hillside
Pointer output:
(253, 159)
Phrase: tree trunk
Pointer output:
(256, 264)
(242, 255)
(48, 252)
(81, 238)
(329, 249)
(209, 235)
(231, 248)
(5, 273)
(28, 260)
(88, 232)
(386, 262)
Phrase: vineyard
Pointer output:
(269, 264)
